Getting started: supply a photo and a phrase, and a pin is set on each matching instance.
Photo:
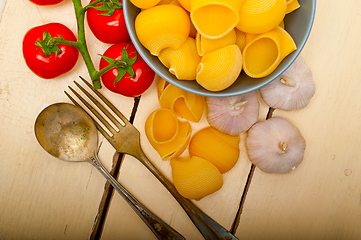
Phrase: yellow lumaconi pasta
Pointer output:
(260, 16)
(175, 2)
(219, 69)
(186, 4)
(264, 53)
(145, 3)
(219, 148)
(282, 24)
(250, 37)
(195, 178)
(168, 135)
(162, 26)
(161, 86)
(292, 5)
(184, 104)
(165, 2)
(215, 18)
(240, 39)
(206, 45)
(183, 61)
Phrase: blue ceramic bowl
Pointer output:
(298, 24)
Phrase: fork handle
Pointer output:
(160, 229)
(209, 228)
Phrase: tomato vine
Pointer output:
(81, 45)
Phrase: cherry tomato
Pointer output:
(61, 58)
(46, 2)
(106, 21)
(120, 80)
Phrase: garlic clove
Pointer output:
(233, 115)
(275, 145)
(291, 90)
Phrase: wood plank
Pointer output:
(222, 206)
(321, 198)
(42, 197)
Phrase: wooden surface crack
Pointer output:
(108, 188)
(247, 186)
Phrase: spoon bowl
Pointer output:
(68, 133)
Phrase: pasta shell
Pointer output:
(220, 69)
(240, 39)
(162, 84)
(195, 178)
(206, 45)
(165, 2)
(161, 27)
(184, 104)
(260, 16)
(250, 37)
(183, 61)
(168, 136)
(143, 4)
(264, 53)
(219, 148)
(215, 18)
(292, 5)
(186, 4)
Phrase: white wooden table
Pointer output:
(44, 198)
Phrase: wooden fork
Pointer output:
(127, 140)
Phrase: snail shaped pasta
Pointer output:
(264, 53)
(220, 69)
(168, 135)
(162, 26)
(165, 2)
(206, 45)
(184, 104)
(292, 5)
(260, 16)
(219, 148)
(195, 178)
(186, 4)
(183, 61)
(215, 18)
(240, 39)
(144, 3)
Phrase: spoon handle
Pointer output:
(209, 228)
(161, 229)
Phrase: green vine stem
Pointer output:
(81, 45)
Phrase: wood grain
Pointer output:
(321, 199)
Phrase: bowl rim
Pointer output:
(208, 93)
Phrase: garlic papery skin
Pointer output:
(275, 145)
(233, 115)
(291, 90)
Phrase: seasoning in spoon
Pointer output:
(292, 90)
(275, 145)
(233, 115)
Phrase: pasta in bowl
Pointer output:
(294, 29)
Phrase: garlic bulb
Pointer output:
(233, 115)
(291, 90)
(275, 146)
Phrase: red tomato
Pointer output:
(56, 64)
(46, 2)
(128, 86)
(106, 26)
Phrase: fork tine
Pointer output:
(100, 128)
(106, 101)
(95, 112)
(100, 106)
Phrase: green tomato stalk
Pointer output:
(49, 44)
